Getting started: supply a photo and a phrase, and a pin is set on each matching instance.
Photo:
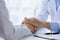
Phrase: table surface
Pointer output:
(41, 35)
(36, 38)
(46, 36)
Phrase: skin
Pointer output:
(34, 23)
(31, 27)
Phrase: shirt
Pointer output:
(55, 26)
(57, 4)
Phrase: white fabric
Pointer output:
(7, 30)
(46, 36)
(46, 8)
(1, 38)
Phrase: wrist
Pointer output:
(41, 24)
(47, 25)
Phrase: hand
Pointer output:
(33, 22)
(26, 20)
(37, 23)
(31, 27)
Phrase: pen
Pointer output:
(52, 33)
(44, 37)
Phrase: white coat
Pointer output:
(7, 30)
(46, 8)
(43, 9)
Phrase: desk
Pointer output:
(32, 38)
(47, 36)
(40, 33)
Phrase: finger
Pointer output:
(34, 30)
(25, 18)
(24, 21)
(28, 19)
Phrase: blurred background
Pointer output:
(19, 9)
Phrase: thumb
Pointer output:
(25, 18)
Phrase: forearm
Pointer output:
(21, 31)
(54, 27)
(45, 25)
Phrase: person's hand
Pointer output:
(31, 27)
(33, 22)
(36, 23)
(26, 20)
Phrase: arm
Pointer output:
(5, 25)
(7, 29)
(41, 24)
(54, 27)
(51, 26)
(36, 23)
(41, 14)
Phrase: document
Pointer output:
(40, 35)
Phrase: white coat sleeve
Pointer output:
(6, 26)
(7, 30)
(21, 32)
(42, 11)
